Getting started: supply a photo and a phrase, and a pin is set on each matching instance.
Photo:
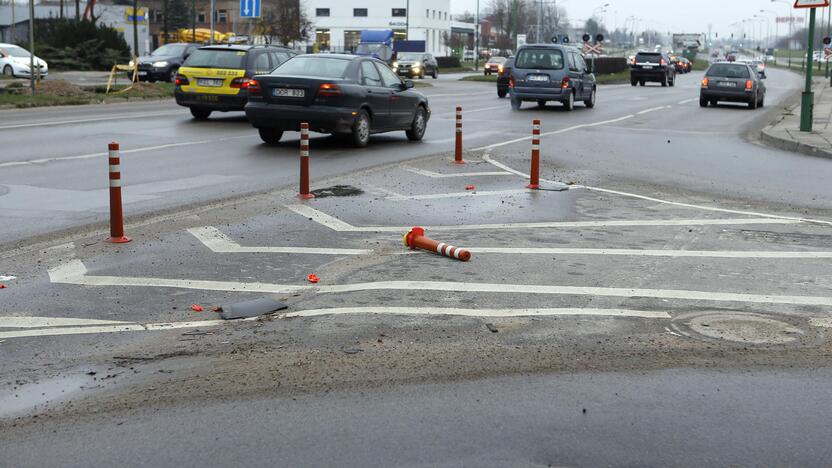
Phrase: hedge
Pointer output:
(448, 62)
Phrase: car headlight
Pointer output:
(395, 64)
(416, 66)
(161, 64)
(131, 63)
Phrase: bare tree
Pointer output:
(283, 21)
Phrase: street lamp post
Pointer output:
(477, 39)
(808, 98)
(791, 23)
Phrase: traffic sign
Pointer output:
(593, 49)
(249, 8)
(811, 3)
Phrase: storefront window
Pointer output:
(351, 40)
(322, 39)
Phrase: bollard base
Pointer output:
(306, 196)
(119, 240)
(459, 161)
(533, 186)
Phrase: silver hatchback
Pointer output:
(544, 72)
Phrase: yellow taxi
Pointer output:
(215, 78)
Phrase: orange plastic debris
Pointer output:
(313, 278)
(470, 187)
(196, 308)
(2, 286)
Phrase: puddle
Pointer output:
(337, 191)
(45, 394)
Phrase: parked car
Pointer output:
(652, 66)
(15, 61)
(503, 75)
(214, 78)
(494, 65)
(416, 64)
(732, 82)
(551, 72)
(340, 94)
(468, 56)
(163, 63)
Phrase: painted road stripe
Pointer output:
(123, 152)
(496, 313)
(126, 327)
(74, 272)
(555, 132)
(821, 322)
(436, 175)
(435, 196)
(341, 226)
(35, 322)
(686, 101)
(218, 242)
(652, 109)
(96, 119)
(795, 219)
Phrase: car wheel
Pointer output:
(590, 103)
(516, 103)
(763, 100)
(641, 83)
(501, 93)
(150, 80)
(361, 130)
(664, 81)
(271, 136)
(569, 103)
(714, 102)
(672, 82)
(435, 73)
(8, 71)
(752, 104)
(172, 75)
(200, 114)
(633, 82)
(541, 103)
(703, 102)
(417, 128)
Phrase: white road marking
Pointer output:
(652, 109)
(495, 313)
(7, 277)
(337, 225)
(554, 132)
(821, 322)
(125, 327)
(471, 111)
(218, 242)
(686, 101)
(35, 322)
(96, 119)
(433, 196)
(381, 191)
(436, 175)
(123, 152)
(795, 219)
(459, 95)
(74, 272)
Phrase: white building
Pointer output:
(337, 26)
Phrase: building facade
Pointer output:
(337, 25)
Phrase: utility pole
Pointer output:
(407, 21)
(211, 40)
(193, 21)
(808, 99)
(32, 45)
(476, 38)
(136, 30)
(13, 21)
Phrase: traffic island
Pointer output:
(784, 133)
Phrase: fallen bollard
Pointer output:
(415, 239)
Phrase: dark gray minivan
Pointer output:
(551, 72)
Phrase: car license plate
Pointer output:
(208, 82)
(727, 84)
(288, 92)
(538, 78)
(647, 67)
(142, 73)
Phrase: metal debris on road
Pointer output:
(253, 308)
(491, 327)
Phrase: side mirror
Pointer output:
(408, 84)
(762, 75)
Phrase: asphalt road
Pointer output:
(679, 291)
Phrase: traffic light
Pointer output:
(587, 37)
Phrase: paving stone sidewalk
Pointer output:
(784, 132)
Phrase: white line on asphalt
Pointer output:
(480, 312)
(686, 101)
(795, 219)
(555, 132)
(341, 226)
(380, 191)
(218, 242)
(433, 196)
(652, 109)
(127, 151)
(97, 119)
(471, 111)
(126, 327)
(821, 322)
(458, 95)
(436, 175)
(35, 322)
(74, 272)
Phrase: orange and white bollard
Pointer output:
(415, 239)
(534, 173)
(458, 149)
(304, 162)
(116, 216)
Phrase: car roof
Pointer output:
(546, 46)
(336, 56)
(240, 47)
(2, 44)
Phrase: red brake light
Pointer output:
(510, 81)
(749, 84)
(240, 83)
(253, 86)
(705, 82)
(181, 80)
(565, 83)
(329, 90)
(662, 62)
(634, 60)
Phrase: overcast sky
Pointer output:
(690, 16)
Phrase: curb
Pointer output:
(791, 145)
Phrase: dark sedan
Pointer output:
(164, 62)
(732, 82)
(340, 94)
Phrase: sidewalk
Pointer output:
(784, 133)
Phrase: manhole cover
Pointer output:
(337, 191)
(745, 328)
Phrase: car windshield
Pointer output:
(542, 59)
(169, 50)
(409, 56)
(15, 51)
(326, 67)
(497, 60)
(726, 70)
(367, 49)
(217, 58)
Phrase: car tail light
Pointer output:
(253, 86)
(704, 82)
(749, 84)
(511, 82)
(181, 80)
(565, 82)
(634, 60)
(662, 62)
(499, 68)
(329, 90)
(240, 83)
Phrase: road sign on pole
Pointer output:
(811, 3)
(249, 8)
